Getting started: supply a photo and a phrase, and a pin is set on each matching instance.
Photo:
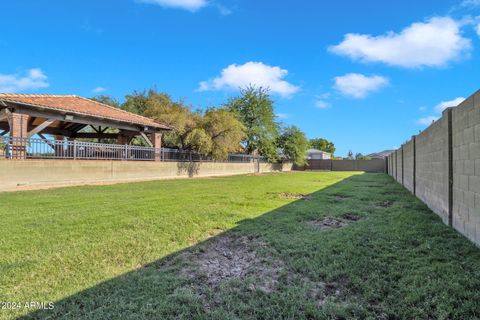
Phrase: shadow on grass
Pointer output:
(335, 253)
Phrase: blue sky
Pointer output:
(365, 74)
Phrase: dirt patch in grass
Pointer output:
(384, 204)
(333, 222)
(229, 257)
(350, 216)
(341, 196)
(339, 290)
(294, 195)
(328, 223)
(338, 197)
(390, 193)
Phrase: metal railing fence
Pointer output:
(33, 148)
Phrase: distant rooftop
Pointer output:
(381, 154)
(309, 151)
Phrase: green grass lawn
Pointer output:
(292, 245)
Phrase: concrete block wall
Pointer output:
(441, 166)
(34, 174)
(394, 164)
(398, 166)
(390, 166)
(408, 164)
(432, 167)
(373, 165)
(466, 168)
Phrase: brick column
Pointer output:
(124, 140)
(19, 132)
(59, 146)
(156, 139)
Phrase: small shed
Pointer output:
(315, 154)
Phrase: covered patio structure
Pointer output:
(66, 117)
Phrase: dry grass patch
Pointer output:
(328, 223)
(384, 204)
(333, 222)
(228, 257)
(294, 196)
(339, 197)
(351, 216)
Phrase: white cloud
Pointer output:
(470, 3)
(432, 43)
(251, 73)
(224, 11)
(477, 29)
(358, 85)
(33, 79)
(427, 120)
(190, 5)
(282, 115)
(439, 109)
(99, 89)
(447, 104)
(322, 104)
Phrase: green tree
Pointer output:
(218, 132)
(225, 130)
(107, 100)
(294, 144)
(161, 108)
(198, 139)
(360, 156)
(323, 145)
(254, 108)
(137, 101)
(350, 155)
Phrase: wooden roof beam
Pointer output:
(95, 135)
(147, 139)
(4, 113)
(40, 127)
(80, 119)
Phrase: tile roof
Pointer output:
(316, 151)
(381, 154)
(79, 105)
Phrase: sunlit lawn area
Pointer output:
(290, 245)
